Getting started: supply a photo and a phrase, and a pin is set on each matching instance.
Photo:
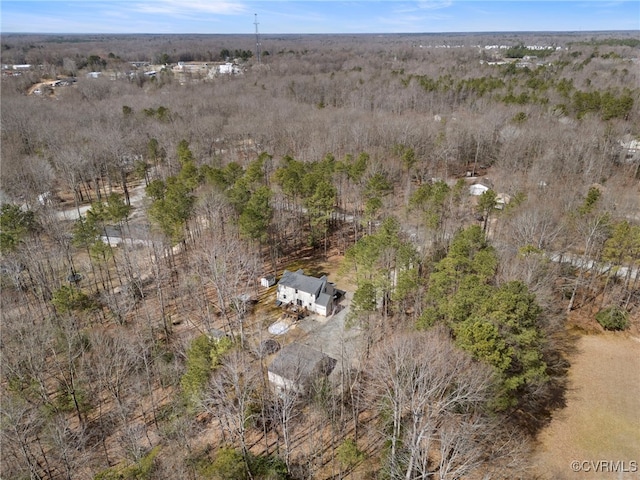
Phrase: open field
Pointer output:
(602, 418)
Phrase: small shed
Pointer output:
(268, 281)
(297, 366)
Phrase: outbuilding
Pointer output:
(297, 366)
(268, 281)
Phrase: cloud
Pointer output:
(43, 23)
(423, 5)
(434, 4)
(613, 4)
(185, 7)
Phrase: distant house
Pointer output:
(478, 189)
(314, 294)
(228, 69)
(190, 67)
(297, 366)
(630, 150)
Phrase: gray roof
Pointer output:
(300, 281)
(324, 300)
(301, 364)
(326, 297)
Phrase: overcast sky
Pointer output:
(334, 16)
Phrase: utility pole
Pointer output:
(257, 39)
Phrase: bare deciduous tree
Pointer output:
(233, 269)
(231, 396)
(434, 396)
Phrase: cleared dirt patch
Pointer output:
(601, 421)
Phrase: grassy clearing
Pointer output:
(602, 418)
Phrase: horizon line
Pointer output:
(327, 33)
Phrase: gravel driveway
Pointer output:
(328, 335)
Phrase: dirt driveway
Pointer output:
(328, 335)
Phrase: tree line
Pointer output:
(144, 360)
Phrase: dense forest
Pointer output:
(476, 198)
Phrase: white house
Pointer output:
(314, 294)
(630, 150)
(228, 69)
(478, 189)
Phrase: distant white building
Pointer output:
(228, 69)
(630, 150)
(478, 189)
(198, 67)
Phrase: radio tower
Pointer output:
(257, 39)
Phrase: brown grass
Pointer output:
(602, 418)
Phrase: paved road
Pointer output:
(136, 197)
(588, 264)
(136, 234)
